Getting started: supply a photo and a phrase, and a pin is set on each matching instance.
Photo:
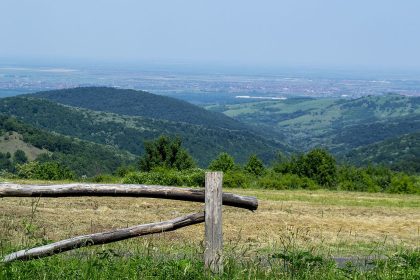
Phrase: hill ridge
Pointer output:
(81, 156)
(401, 153)
(138, 103)
(129, 132)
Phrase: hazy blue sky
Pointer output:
(343, 33)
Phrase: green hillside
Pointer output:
(357, 135)
(11, 141)
(337, 124)
(128, 132)
(401, 153)
(340, 125)
(139, 103)
(82, 157)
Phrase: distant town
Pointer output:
(202, 88)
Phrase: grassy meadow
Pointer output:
(295, 234)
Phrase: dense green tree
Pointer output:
(255, 166)
(224, 162)
(318, 164)
(165, 152)
(20, 157)
(286, 165)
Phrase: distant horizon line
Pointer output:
(203, 67)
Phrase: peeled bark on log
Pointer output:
(122, 190)
(104, 237)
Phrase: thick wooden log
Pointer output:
(104, 237)
(122, 190)
(213, 253)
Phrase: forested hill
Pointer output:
(400, 153)
(139, 103)
(337, 124)
(81, 157)
(129, 132)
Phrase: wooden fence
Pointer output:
(212, 195)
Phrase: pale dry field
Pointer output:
(340, 222)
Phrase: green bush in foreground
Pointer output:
(376, 179)
(371, 179)
(168, 177)
(224, 162)
(237, 179)
(286, 181)
(318, 165)
(402, 183)
(167, 153)
(254, 166)
(44, 171)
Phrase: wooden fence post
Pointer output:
(213, 222)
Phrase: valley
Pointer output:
(205, 136)
(367, 130)
(339, 125)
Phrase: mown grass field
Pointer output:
(303, 224)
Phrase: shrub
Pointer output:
(124, 170)
(44, 171)
(317, 165)
(167, 177)
(7, 174)
(255, 166)
(271, 181)
(105, 178)
(293, 181)
(356, 179)
(165, 152)
(224, 162)
(402, 183)
(236, 179)
(371, 179)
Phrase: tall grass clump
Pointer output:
(274, 263)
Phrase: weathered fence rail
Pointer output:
(104, 237)
(120, 190)
(212, 196)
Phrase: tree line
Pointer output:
(167, 162)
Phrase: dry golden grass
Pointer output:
(338, 221)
